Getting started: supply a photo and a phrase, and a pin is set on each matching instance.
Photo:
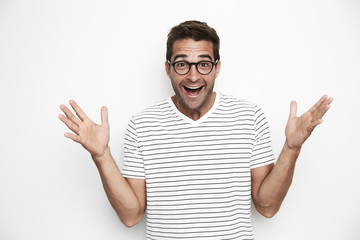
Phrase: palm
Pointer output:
(298, 129)
(93, 137)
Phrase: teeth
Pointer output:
(193, 88)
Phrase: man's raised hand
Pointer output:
(93, 137)
(298, 129)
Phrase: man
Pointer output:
(195, 160)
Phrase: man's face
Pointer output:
(193, 90)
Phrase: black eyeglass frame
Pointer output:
(196, 66)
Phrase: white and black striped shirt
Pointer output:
(197, 173)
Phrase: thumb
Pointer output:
(104, 116)
(293, 109)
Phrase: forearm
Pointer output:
(118, 190)
(273, 189)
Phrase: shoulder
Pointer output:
(156, 112)
(231, 102)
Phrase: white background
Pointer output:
(112, 53)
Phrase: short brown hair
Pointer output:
(195, 30)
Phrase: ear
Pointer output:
(167, 68)
(217, 69)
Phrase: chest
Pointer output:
(182, 152)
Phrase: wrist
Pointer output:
(103, 156)
(291, 149)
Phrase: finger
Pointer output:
(329, 101)
(314, 124)
(320, 112)
(70, 115)
(72, 126)
(293, 109)
(79, 112)
(104, 116)
(73, 137)
(318, 104)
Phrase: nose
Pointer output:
(193, 75)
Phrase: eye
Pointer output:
(204, 64)
(181, 65)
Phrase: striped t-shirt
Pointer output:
(197, 173)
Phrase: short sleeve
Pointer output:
(262, 153)
(133, 158)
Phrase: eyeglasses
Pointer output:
(183, 67)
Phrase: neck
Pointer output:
(194, 114)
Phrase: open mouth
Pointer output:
(193, 91)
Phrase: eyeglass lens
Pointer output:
(203, 67)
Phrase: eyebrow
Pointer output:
(206, 56)
(185, 56)
(180, 56)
